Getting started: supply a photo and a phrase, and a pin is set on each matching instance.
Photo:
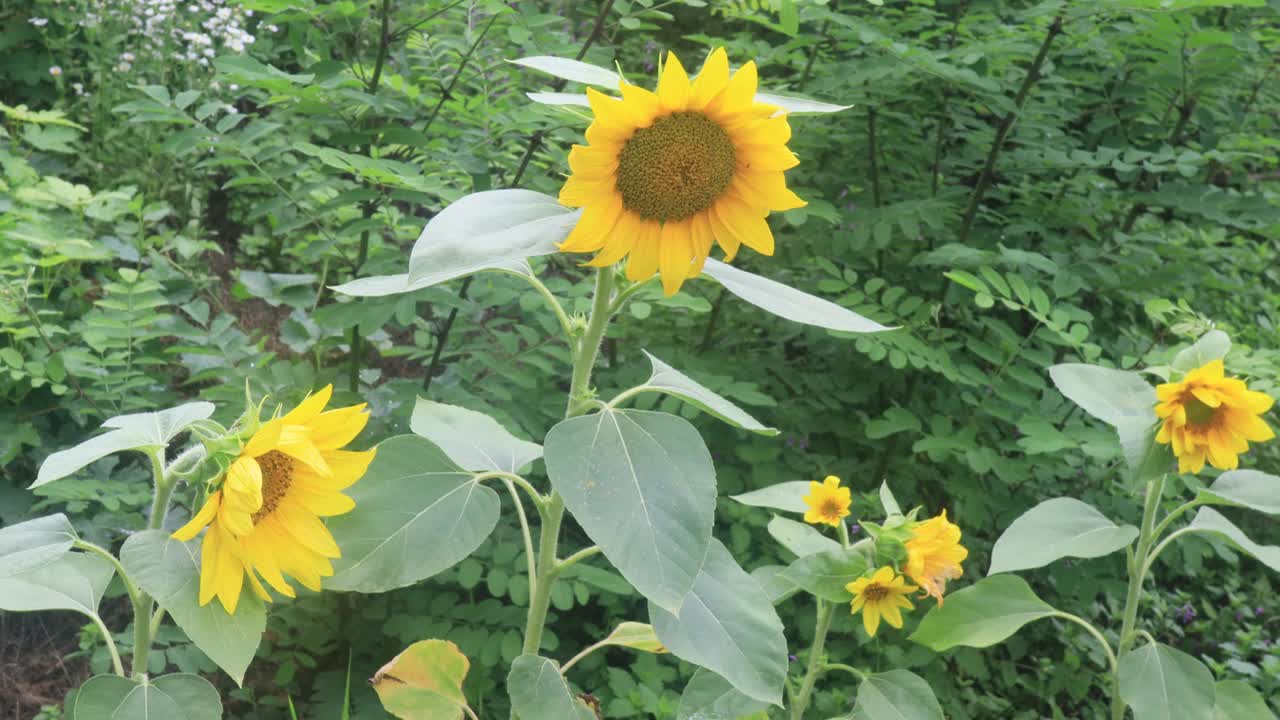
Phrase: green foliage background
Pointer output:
(1018, 184)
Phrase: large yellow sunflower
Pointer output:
(665, 174)
(934, 554)
(265, 518)
(1210, 416)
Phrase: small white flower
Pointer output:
(78, 87)
(55, 71)
(39, 22)
(273, 28)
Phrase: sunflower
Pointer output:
(880, 596)
(934, 554)
(1209, 415)
(665, 174)
(265, 518)
(828, 502)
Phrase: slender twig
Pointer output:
(845, 668)
(525, 533)
(1106, 646)
(576, 558)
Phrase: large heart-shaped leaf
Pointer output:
(642, 486)
(787, 302)
(416, 514)
(982, 614)
(424, 682)
(383, 285)
(1116, 397)
(168, 570)
(1161, 683)
(1213, 345)
(140, 431)
(710, 697)
(1237, 700)
(1247, 488)
(896, 695)
(825, 574)
(667, 379)
(539, 692)
(1054, 529)
(33, 543)
(171, 697)
(727, 624)
(1208, 520)
(75, 581)
(472, 440)
(788, 496)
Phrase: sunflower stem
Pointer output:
(1137, 573)
(142, 603)
(822, 626)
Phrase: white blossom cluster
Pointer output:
(188, 31)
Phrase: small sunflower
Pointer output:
(665, 174)
(828, 502)
(265, 518)
(934, 554)
(1210, 416)
(883, 595)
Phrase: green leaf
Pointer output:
(1054, 529)
(787, 302)
(728, 625)
(383, 285)
(799, 538)
(472, 440)
(895, 420)
(637, 636)
(896, 695)
(140, 431)
(170, 697)
(1208, 520)
(34, 543)
(424, 682)
(710, 697)
(1246, 488)
(982, 614)
(168, 570)
(786, 496)
(642, 486)
(412, 498)
(887, 500)
(1116, 397)
(75, 581)
(1161, 683)
(777, 587)
(797, 105)
(1236, 700)
(1213, 345)
(539, 692)
(1145, 457)
(490, 227)
(559, 98)
(571, 70)
(667, 379)
(826, 574)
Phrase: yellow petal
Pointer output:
(725, 236)
(593, 228)
(322, 502)
(711, 79)
(750, 229)
(769, 131)
(580, 191)
(228, 575)
(871, 619)
(892, 614)
(673, 86)
(1207, 396)
(640, 104)
(737, 94)
(336, 428)
(200, 519)
(306, 528)
(243, 485)
(265, 439)
(643, 262)
(309, 408)
(675, 252)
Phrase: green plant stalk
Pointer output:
(826, 611)
(1137, 573)
(584, 360)
(142, 602)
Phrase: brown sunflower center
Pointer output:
(676, 167)
(1197, 412)
(277, 476)
(830, 509)
(875, 592)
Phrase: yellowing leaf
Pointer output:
(637, 636)
(424, 682)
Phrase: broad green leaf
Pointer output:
(1246, 488)
(571, 70)
(777, 587)
(1116, 397)
(559, 98)
(896, 695)
(539, 692)
(170, 697)
(728, 625)
(795, 105)
(710, 697)
(168, 570)
(642, 486)
(472, 440)
(424, 682)
(487, 228)
(1213, 345)
(74, 581)
(1161, 683)
(799, 538)
(1145, 457)
(667, 379)
(1208, 520)
(416, 514)
(383, 285)
(982, 614)
(1054, 529)
(787, 302)
(826, 574)
(788, 496)
(139, 431)
(1236, 700)
(887, 499)
(34, 543)
(637, 636)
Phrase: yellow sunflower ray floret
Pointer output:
(883, 595)
(264, 520)
(828, 502)
(666, 175)
(934, 554)
(1209, 416)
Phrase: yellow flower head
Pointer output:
(827, 501)
(934, 554)
(1209, 415)
(265, 518)
(880, 595)
(665, 174)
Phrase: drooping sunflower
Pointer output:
(264, 520)
(934, 554)
(666, 174)
(1210, 416)
(828, 502)
(883, 595)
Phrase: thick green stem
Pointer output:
(142, 603)
(1137, 573)
(826, 611)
